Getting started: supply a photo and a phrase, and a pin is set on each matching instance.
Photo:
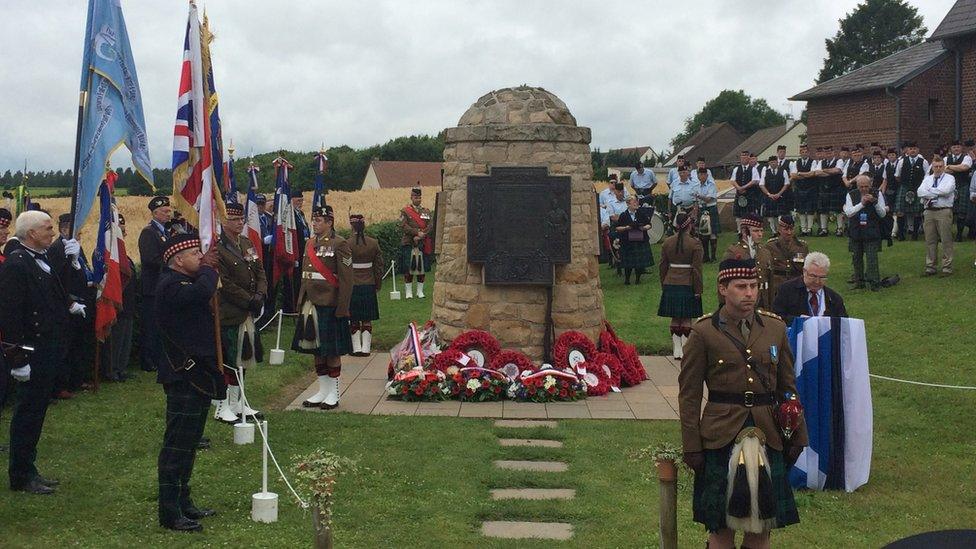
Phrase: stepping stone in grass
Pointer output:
(532, 442)
(527, 530)
(533, 493)
(524, 423)
(536, 466)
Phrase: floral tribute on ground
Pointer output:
(474, 368)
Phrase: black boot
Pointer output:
(713, 244)
(917, 227)
(627, 277)
(959, 227)
(704, 243)
(902, 227)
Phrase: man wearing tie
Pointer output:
(937, 193)
(808, 294)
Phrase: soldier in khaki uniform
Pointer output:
(416, 246)
(323, 323)
(750, 246)
(243, 287)
(367, 275)
(743, 357)
(681, 280)
(787, 253)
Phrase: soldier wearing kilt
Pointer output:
(786, 254)
(367, 276)
(189, 373)
(890, 187)
(831, 196)
(805, 186)
(745, 179)
(635, 245)
(416, 245)
(750, 246)
(243, 286)
(324, 297)
(681, 281)
(960, 166)
(774, 185)
(911, 170)
(743, 356)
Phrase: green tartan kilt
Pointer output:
(679, 301)
(635, 255)
(714, 219)
(404, 265)
(903, 206)
(334, 336)
(961, 205)
(709, 501)
(228, 343)
(364, 306)
(807, 196)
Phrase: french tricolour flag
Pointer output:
(835, 391)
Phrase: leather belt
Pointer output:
(313, 276)
(680, 266)
(362, 265)
(747, 399)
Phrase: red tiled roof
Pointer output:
(393, 174)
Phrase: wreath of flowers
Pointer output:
(547, 385)
(595, 376)
(477, 340)
(570, 341)
(632, 370)
(512, 364)
(610, 365)
(417, 384)
(475, 384)
(448, 358)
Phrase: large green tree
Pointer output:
(875, 29)
(744, 113)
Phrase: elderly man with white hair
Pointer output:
(32, 323)
(808, 294)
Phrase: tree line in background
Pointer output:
(347, 167)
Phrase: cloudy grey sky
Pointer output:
(294, 73)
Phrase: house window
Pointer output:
(933, 106)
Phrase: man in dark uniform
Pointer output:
(786, 253)
(831, 195)
(303, 231)
(745, 179)
(743, 356)
(911, 171)
(266, 217)
(805, 189)
(323, 325)
(416, 245)
(774, 185)
(243, 286)
(34, 314)
(152, 242)
(367, 275)
(69, 262)
(960, 166)
(189, 372)
(750, 246)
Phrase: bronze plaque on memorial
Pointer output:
(519, 224)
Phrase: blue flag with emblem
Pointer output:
(112, 114)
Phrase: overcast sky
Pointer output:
(294, 73)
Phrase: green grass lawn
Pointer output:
(429, 477)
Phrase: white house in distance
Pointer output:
(395, 174)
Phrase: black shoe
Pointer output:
(183, 524)
(823, 232)
(626, 283)
(876, 287)
(3, 447)
(204, 444)
(49, 482)
(325, 406)
(33, 487)
(197, 513)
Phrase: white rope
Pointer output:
(392, 263)
(923, 384)
(270, 320)
(264, 438)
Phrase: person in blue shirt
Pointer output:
(707, 196)
(673, 176)
(683, 191)
(609, 212)
(643, 182)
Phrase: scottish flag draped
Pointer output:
(112, 113)
(834, 388)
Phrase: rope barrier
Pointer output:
(923, 384)
(264, 438)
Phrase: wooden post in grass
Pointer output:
(667, 475)
(322, 523)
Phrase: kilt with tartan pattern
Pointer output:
(186, 415)
(807, 193)
(905, 206)
(775, 208)
(754, 197)
(961, 205)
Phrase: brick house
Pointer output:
(924, 93)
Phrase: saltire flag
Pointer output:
(231, 181)
(112, 114)
(834, 388)
(252, 221)
(284, 239)
(107, 260)
(318, 197)
(195, 189)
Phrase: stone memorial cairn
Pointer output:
(517, 179)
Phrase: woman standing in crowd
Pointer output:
(635, 246)
(681, 281)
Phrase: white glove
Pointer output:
(77, 309)
(21, 374)
(72, 248)
(267, 240)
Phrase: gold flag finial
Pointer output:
(231, 148)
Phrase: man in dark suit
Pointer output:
(73, 270)
(152, 242)
(808, 294)
(34, 316)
